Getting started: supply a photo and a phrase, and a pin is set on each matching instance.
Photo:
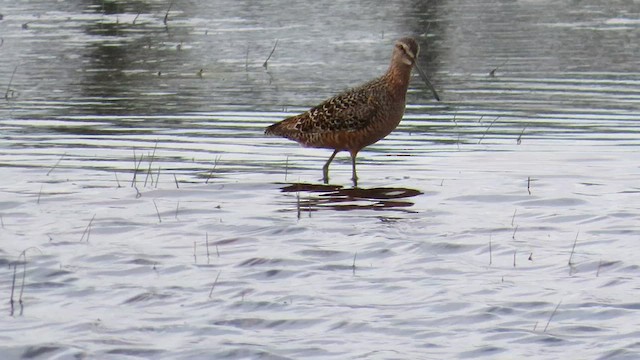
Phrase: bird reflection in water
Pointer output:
(338, 198)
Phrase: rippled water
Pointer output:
(158, 222)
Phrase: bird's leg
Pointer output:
(325, 168)
(354, 176)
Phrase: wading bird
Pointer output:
(360, 116)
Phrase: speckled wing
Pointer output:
(350, 111)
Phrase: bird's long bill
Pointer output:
(426, 80)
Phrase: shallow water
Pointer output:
(158, 221)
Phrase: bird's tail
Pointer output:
(273, 130)
(285, 128)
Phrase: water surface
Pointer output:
(158, 222)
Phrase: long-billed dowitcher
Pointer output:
(360, 116)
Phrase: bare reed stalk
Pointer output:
(514, 232)
(519, 140)
(214, 283)
(177, 207)
(217, 251)
(487, 130)
(158, 178)
(455, 124)
(166, 15)
(176, 180)
(246, 60)
(513, 217)
(490, 252)
(573, 249)
(514, 257)
(138, 193)
(56, 165)
(6, 94)
(298, 204)
(137, 167)
(136, 18)
(117, 180)
(87, 230)
(207, 244)
(270, 54)
(195, 258)
(153, 155)
(39, 194)
(24, 274)
(23, 254)
(2, 222)
(13, 286)
(353, 266)
(529, 185)
(599, 266)
(551, 317)
(492, 73)
(157, 211)
(215, 164)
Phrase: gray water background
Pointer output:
(502, 222)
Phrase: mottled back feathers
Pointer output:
(357, 117)
(356, 109)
